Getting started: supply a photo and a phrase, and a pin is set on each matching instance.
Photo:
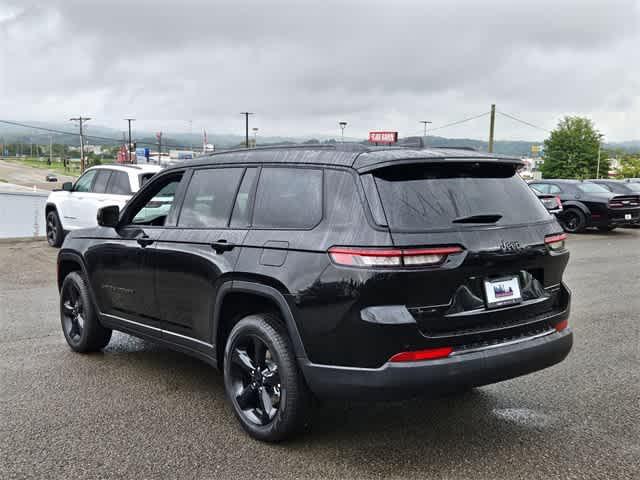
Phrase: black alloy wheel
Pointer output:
(255, 379)
(262, 380)
(72, 313)
(573, 220)
(54, 230)
(80, 325)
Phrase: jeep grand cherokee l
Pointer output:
(335, 271)
(586, 204)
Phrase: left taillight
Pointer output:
(556, 241)
(391, 257)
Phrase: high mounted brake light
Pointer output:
(556, 241)
(391, 257)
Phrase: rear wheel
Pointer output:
(55, 234)
(80, 324)
(573, 220)
(263, 383)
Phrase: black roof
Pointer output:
(359, 156)
(559, 180)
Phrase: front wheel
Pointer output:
(55, 234)
(82, 330)
(262, 380)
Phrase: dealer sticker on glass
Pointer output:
(502, 291)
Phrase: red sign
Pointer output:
(383, 137)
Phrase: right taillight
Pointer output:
(558, 202)
(556, 241)
(391, 257)
(562, 325)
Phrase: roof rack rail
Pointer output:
(453, 147)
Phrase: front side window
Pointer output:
(119, 184)
(209, 198)
(288, 198)
(157, 202)
(84, 182)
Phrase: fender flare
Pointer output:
(576, 204)
(270, 293)
(51, 205)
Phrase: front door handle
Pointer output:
(145, 241)
(222, 246)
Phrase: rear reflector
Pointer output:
(419, 355)
(376, 257)
(560, 326)
(556, 241)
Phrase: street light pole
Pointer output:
(342, 127)
(81, 119)
(255, 136)
(246, 127)
(599, 149)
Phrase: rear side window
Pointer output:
(209, 198)
(100, 183)
(592, 188)
(288, 198)
(453, 196)
(119, 184)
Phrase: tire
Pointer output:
(573, 220)
(270, 402)
(80, 326)
(607, 228)
(55, 234)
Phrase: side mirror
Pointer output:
(67, 186)
(108, 216)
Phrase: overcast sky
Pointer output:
(302, 66)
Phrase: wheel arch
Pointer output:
(577, 205)
(238, 298)
(70, 262)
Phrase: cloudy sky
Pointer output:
(302, 66)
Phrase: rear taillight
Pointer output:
(420, 355)
(556, 241)
(558, 202)
(560, 326)
(391, 257)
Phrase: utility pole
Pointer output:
(81, 120)
(599, 149)
(129, 120)
(425, 123)
(492, 127)
(159, 137)
(50, 149)
(255, 136)
(246, 127)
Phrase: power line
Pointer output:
(460, 121)
(524, 122)
(94, 137)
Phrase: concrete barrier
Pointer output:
(22, 214)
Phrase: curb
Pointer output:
(4, 241)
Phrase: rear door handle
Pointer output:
(145, 241)
(222, 246)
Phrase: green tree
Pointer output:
(629, 166)
(571, 151)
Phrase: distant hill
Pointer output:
(100, 135)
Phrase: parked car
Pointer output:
(76, 204)
(552, 203)
(622, 187)
(335, 271)
(51, 177)
(586, 204)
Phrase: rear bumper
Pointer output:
(399, 380)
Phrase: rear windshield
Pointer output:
(453, 196)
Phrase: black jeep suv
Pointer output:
(334, 271)
(587, 204)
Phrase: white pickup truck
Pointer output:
(76, 205)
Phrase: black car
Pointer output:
(552, 203)
(587, 204)
(335, 271)
(621, 187)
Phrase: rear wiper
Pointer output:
(492, 218)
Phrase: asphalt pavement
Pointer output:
(141, 411)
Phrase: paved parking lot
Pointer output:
(141, 411)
